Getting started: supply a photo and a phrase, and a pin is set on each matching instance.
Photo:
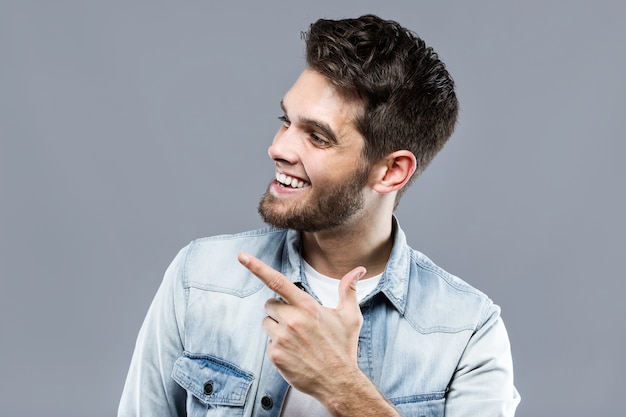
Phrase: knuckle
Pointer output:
(293, 326)
(275, 281)
(275, 355)
(354, 320)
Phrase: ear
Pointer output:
(394, 171)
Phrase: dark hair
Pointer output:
(408, 95)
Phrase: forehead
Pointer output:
(314, 97)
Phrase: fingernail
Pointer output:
(244, 259)
(361, 274)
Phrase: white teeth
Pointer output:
(290, 181)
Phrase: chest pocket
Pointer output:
(427, 405)
(217, 387)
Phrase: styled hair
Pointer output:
(408, 95)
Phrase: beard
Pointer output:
(323, 210)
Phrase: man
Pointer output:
(344, 319)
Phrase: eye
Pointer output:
(319, 140)
(285, 120)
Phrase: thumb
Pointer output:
(347, 288)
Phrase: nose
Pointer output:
(282, 148)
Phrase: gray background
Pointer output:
(129, 128)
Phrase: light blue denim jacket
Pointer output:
(431, 343)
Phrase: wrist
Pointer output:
(352, 393)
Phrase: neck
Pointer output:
(362, 242)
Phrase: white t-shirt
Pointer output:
(298, 404)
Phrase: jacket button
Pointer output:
(267, 402)
(208, 387)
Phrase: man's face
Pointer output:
(320, 171)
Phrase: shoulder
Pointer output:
(210, 263)
(441, 301)
(432, 274)
(217, 246)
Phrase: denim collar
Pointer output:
(395, 279)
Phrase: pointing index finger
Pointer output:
(273, 279)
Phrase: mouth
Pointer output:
(287, 181)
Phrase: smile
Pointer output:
(287, 181)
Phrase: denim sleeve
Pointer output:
(150, 389)
(483, 382)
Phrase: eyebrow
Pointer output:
(325, 128)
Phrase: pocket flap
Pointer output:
(212, 380)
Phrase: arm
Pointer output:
(353, 394)
(483, 382)
(315, 348)
(149, 388)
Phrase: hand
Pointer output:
(310, 345)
